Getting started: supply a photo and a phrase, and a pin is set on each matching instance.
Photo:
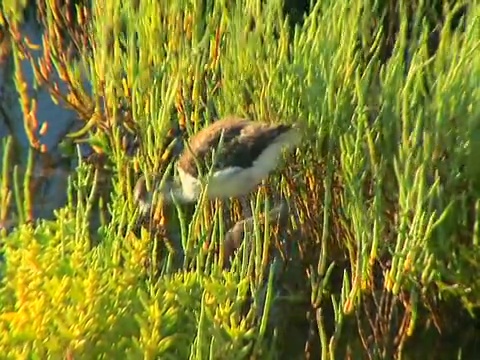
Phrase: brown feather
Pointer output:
(243, 141)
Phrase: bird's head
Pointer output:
(156, 189)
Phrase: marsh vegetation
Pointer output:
(379, 254)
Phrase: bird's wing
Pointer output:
(244, 149)
(235, 146)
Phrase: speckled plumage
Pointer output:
(243, 141)
(249, 151)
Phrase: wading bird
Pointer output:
(228, 158)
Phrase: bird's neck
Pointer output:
(169, 192)
(172, 192)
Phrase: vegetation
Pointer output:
(381, 252)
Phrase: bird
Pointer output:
(233, 155)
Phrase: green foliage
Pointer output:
(59, 297)
(387, 200)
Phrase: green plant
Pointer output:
(385, 189)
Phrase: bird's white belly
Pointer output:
(226, 183)
(233, 182)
